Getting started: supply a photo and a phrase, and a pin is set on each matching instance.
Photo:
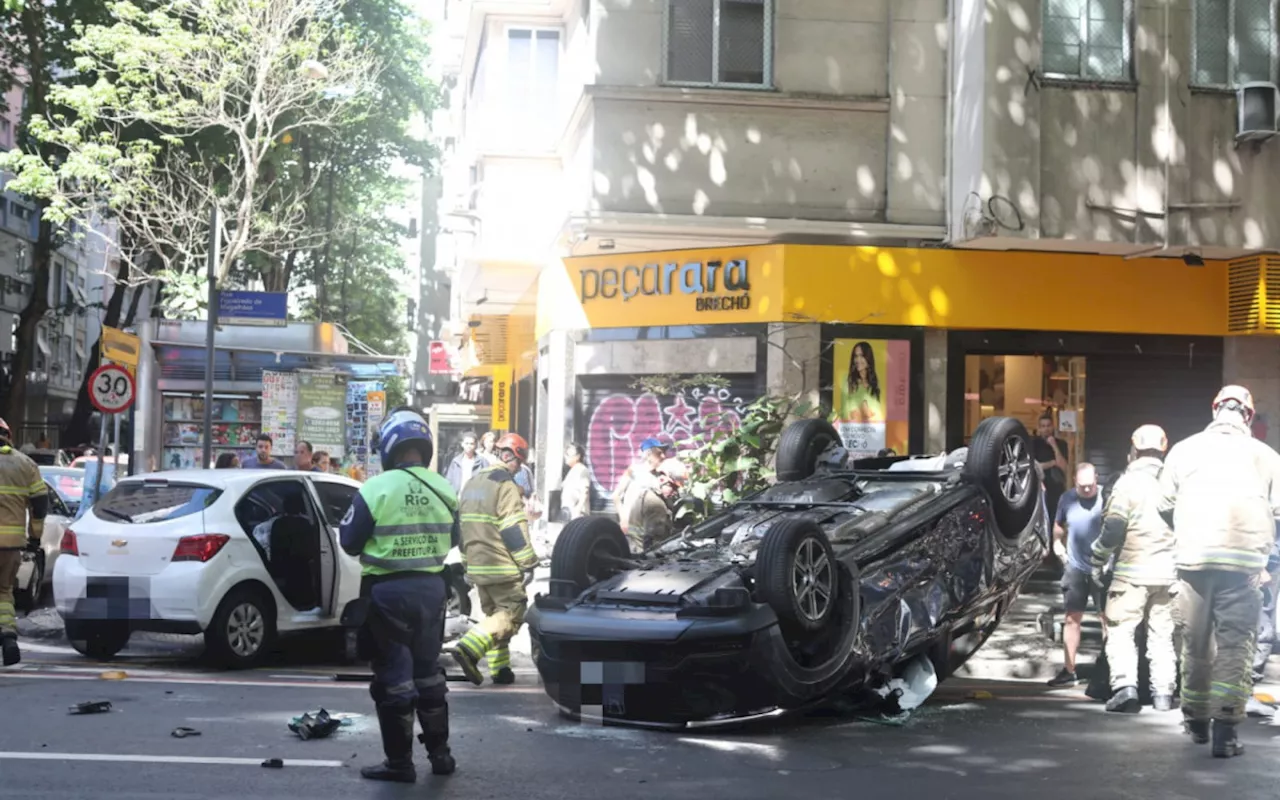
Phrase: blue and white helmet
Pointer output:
(402, 426)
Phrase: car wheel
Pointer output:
(28, 598)
(243, 629)
(797, 575)
(802, 445)
(100, 640)
(576, 558)
(1000, 461)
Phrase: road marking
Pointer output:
(143, 759)
(454, 686)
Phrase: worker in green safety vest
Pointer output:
(402, 525)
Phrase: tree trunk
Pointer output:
(33, 26)
(78, 428)
(322, 263)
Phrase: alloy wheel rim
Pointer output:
(812, 580)
(1014, 470)
(246, 630)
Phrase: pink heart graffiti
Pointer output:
(620, 423)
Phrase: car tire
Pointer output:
(28, 599)
(1000, 461)
(798, 550)
(243, 629)
(800, 445)
(574, 560)
(100, 640)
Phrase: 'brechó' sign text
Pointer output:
(715, 285)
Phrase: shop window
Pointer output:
(1234, 42)
(1028, 388)
(1088, 39)
(871, 395)
(719, 43)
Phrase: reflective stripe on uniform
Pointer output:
(419, 529)
(476, 642)
(511, 521)
(524, 554)
(500, 569)
(498, 658)
(483, 519)
(1223, 558)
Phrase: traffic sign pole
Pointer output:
(111, 390)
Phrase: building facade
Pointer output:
(918, 214)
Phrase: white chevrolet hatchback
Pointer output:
(240, 556)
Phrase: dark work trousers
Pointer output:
(1266, 628)
(1219, 610)
(406, 626)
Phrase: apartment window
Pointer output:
(1235, 42)
(533, 71)
(719, 43)
(6, 133)
(1088, 39)
(19, 211)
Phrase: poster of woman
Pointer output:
(871, 397)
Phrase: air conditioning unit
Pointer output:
(1258, 107)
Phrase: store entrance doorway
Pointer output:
(1030, 388)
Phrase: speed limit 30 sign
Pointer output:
(111, 389)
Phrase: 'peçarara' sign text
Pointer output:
(713, 285)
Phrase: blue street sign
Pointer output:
(269, 309)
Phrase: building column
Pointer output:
(554, 423)
(1254, 362)
(935, 390)
(793, 360)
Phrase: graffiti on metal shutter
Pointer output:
(618, 423)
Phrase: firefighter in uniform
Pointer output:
(496, 546)
(1221, 493)
(1144, 581)
(22, 493)
(402, 525)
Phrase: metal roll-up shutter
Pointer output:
(613, 418)
(1125, 391)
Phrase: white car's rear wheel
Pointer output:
(243, 630)
(100, 640)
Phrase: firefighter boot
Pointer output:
(435, 737)
(397, 743)
(504, 677)
(1225, 743)
(468, 652)
(11, 654)
(1125, 701)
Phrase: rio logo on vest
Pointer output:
(714, 285)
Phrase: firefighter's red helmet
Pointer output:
(516, 444)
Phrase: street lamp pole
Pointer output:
(211, 328)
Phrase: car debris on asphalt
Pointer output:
(182, 733)
(320, 725)
(96, 707)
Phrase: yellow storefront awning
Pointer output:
(934, 288)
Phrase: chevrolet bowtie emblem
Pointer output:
(120, 543)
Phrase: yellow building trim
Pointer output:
(935, 288)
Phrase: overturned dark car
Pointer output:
(828, 582)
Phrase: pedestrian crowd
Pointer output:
(1184, 544)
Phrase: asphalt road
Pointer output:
(1021, 741)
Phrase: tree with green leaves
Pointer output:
(175, 106)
